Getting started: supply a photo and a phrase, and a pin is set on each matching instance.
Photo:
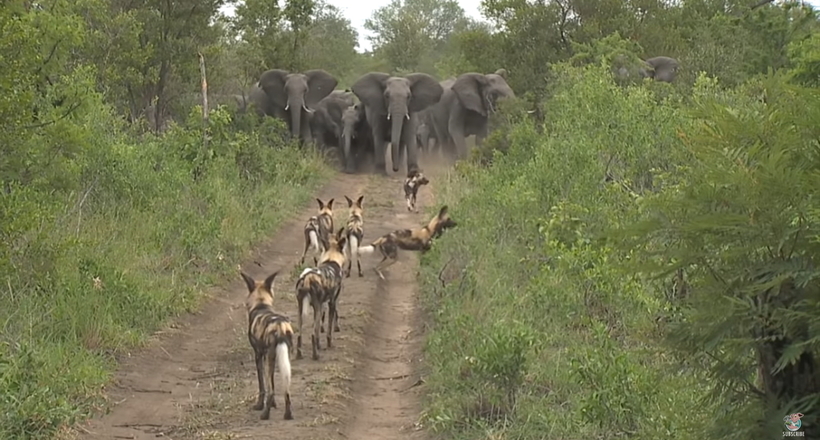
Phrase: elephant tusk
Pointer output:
(304, 106)
(407, 116)
(388, 116)
(530, 111)
(287, 106)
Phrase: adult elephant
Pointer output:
(357, 138)
(391, 105)
(292, 97)
(465, 108)
(663, 69)
(326, 121)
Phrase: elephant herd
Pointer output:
(406, 111)
(410, 112)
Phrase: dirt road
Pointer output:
(197, 381)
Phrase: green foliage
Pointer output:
(740, 223)
(103, 238)
(528, 293)
(414, 35)
(805, 60)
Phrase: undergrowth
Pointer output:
(548, 323)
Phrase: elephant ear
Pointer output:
(273, 83)
(370, 91)
(320, 84)
(424, 91)
(502, 73)
(468, 90)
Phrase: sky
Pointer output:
(360, 10)
(357, 11)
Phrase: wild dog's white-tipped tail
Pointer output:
(306, 307)
(364, 250)
(283, 363)
(314, 240)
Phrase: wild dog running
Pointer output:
(414, 181)
(317, 231)
(408, 240)
(354, 232)
(271, 337)
(321, 285)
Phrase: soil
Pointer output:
(197, 379)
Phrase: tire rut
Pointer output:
(197, 379)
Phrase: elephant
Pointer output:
(423, 135)
(326, 120)
(357, 137)
(660, 69)
(465, 107)
(391, 105)
(293, 96)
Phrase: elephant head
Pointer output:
(660, 69)
(480, 93)
(352, 118)
(295, 92)
(396, 99)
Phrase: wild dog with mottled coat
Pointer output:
(414, 181)
(317, 231)
(408, 240)
(271, 337)
(354, 231)
(320, 285)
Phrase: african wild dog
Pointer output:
(408, 239)
(414, 181)
(354, 232)
(317, 231)
(321, 285)
(271, 337)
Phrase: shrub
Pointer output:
(129, 239)
(527, 295)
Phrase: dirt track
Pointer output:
(197, 381)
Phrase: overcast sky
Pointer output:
(360, 10)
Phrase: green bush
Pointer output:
(104, 243)
(528, 294)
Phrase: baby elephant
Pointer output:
(411, 188)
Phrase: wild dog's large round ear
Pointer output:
(330, 204)
(249, 281)
(443, 211)
(269, 281)
(321, 204)
(359, 201)
(349, 202)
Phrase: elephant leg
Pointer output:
(459, 140)
(379, 149)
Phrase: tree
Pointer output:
(407, 31)
(331, 41)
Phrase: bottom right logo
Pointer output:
(793, 424)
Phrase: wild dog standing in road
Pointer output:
(411, 188)
(317, 231)
(354, 232)
(321, 285)
(271, 337)
(408, 240)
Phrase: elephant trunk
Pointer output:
(348, 139)
(397, 114)
(295, 119)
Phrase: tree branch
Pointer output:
(43, 124)
(761, 4)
